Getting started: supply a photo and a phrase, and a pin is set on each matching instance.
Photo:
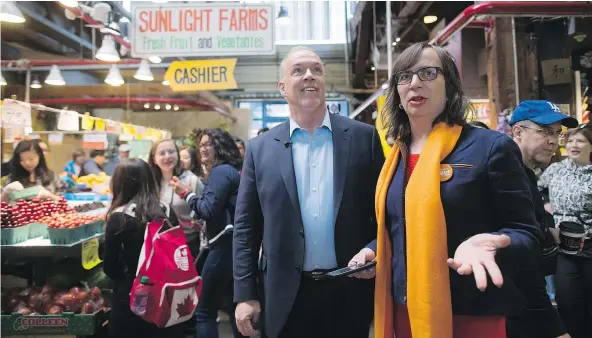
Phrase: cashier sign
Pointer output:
(215, 74)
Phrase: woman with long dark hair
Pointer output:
(29, 169)
(223, 161)
(190, 160)
(135, 204)
(454, 211)
(165, 164)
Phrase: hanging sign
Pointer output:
(90, 254)
(68, 120)
(55, 138)
(202, 29)
(99, 124)
(87, 122)
(16, 113)
(94, 141)
(189, 76)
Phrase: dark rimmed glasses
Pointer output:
(424, 74)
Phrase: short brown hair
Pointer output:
(583, 129)
(457, 104)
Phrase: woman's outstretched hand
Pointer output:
(476, 256)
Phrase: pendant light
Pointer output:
(2, 81)
(143, 73)
(155, 59)
(55, 77)
(10, 13)
(107, 52)
(36, 84)
(283, 18)
(114, 77)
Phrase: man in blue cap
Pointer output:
(536, 126)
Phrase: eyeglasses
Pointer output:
(165, 152)
(545, 131)
(424, 74)
(584, 125)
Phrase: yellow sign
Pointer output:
(190, 76)
(87, 122)
(99, 124)
(90, 254)
(380, 105)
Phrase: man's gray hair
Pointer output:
(287, 57)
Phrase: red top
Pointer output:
(413, 158)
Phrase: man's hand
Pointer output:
(178, 185)
(246, 314)
(365, 255)
(476, 254)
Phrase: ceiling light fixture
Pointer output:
(429, 19)
(10, 13)
(283, 17)
(157, 106)
(114, 77)
(166, 83)
(373, 68)
(107, 52)
(69, 3)
(146, 105)
(36, 84)
(175, 107)
(144, 73)
(397, 39)
(155, 59)
(2, 81)
(395, 43)
(55, 77)
(167, 107)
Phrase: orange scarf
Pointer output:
(428, 282)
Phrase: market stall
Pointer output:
(52, 278)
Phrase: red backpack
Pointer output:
(167, 286)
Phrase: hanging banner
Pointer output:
(94, 141)
(87, 122)
(55, 138)
(68, 121)
(99, 124)
(16, 113)
(201, 29)
(190, 76)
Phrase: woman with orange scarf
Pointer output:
(453, 208)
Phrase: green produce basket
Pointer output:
(10, 236)
(69, 236)
(37, 230)
(66, 323)
(25, 194)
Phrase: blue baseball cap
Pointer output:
(541, 112)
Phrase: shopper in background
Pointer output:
(536, 126)
(570, 190)
(164, 161)
(306, 198)
(449, 196)
(44, 147)
(123, 153)
(241, 146)
(74, 166)
(94, 165)
(223, 161)
(29, 169)
(135, 204)
(190, 160)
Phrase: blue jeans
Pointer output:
(550, 287)
(217, 290)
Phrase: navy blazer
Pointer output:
(268, 213)
(487, 193)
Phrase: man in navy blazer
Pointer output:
(307, 198)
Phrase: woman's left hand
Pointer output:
(178, 185)
(477, 254)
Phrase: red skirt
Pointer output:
(463, 326)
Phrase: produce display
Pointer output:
(89, 207)
(92, 179)
(25, 212)
(69, 220)
(35, 301)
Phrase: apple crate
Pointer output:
(65, 323)
(10, 236)
(73, 235)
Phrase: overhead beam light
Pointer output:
(166, 83)
(36, 84)
(155, 59)
(397, 39)
(428, 19)
(69, 3)
(144, 73)
(2, 81)
(167, 106)
(107, 52)
(114, 77)
(175, 107)
(55, 77)
(10, 13)
(146, 105)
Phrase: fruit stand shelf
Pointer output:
(41, 247)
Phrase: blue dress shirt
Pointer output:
(312, 156)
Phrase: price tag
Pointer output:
(90, 254)
(16, 113)
(94, 141)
